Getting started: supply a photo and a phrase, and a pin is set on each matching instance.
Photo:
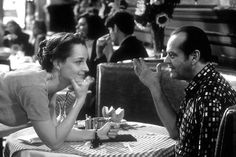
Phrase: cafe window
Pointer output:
(14, 10)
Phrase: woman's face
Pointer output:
(75, 65)
(82, 26)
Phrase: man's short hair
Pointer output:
(196, 39)
(123, 20)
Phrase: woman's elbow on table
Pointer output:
(49, 134)
(52, 144)
(55, 146)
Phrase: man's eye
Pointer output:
(171, 55)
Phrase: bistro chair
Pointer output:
(118, 86)
(226, 139)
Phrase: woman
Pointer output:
(29, 95)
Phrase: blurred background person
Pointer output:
(121, 28)
(39, 33)
(16, 39)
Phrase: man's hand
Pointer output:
(104, 46)
(146, 76)
(109, 130)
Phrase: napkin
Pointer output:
(116, 114)
(121, 138)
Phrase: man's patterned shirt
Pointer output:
(207, 97)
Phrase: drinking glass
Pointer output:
(164, 68)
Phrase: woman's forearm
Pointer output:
(80, 135)
(64, 128)
(55, 135)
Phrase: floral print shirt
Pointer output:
(207, 97)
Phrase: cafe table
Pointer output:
(151, 141)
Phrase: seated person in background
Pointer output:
(207, 95)
(121, 27)
(15, 38)
(30, 95)
(39, 33)
(91, 27)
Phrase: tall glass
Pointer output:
(165, 69)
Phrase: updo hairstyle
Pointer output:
(57, 47)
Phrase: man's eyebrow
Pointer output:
(171, 51)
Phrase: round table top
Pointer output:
(152, 140)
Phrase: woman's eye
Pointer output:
(79, 62)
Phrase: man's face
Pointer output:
(181, 67)
(114, 35)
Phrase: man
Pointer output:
(121, 27)
(207, 96)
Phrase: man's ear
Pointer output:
(195, 56)
(116, 29)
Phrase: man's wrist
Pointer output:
(155, 86)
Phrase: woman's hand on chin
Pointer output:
(80, 87)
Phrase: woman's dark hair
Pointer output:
(16, 25)
(196, 39)
(96, 26)
(58, 46)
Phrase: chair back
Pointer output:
(226, 139)
(117, 85)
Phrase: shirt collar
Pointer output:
(125, 38)
(199, 78)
